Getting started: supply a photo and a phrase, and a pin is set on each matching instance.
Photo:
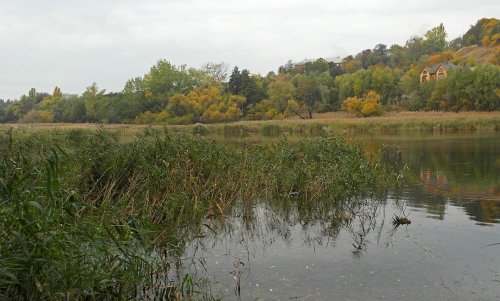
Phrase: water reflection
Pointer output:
(348, 249)
(456, 169)
(461, 169)
(280, 250)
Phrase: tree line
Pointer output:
(374, 80)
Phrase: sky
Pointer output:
(73, 43)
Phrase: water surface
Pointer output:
(450, 251)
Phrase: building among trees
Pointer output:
(438, 71)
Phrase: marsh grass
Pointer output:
(84, 215)
(321, 124)
(328, 123)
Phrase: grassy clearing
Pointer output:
(84, 215)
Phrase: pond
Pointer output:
(450, 251)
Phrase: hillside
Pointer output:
(480, 54)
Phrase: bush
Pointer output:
(200, 129)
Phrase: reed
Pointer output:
(85, 215)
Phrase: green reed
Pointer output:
(85, 216)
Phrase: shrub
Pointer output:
(200, 129)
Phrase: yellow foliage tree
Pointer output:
(36, 116)
(352, 105)
(369, 106)
(204, 105)
(445, 56)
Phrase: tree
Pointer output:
(235, 79)
(35, 116)
(289, 67)
(483, 28)
(165, 79)
(317, 67)
(280, 91)
(6, 113)
(307, 92)
(369, 106)
(414, 49)
(486, 88)
(251, 87)
(57, 92)
(53, 104)
(351, 65)
(384, 81)
(93, 99)
(217, 71)
(137, 99)
(435, 39)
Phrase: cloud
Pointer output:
(74, 43)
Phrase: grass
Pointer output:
(325, 123)
(86, 215)
(402, 121)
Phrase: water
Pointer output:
(450, 251)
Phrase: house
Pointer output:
(437, 71)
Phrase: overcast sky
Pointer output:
(71, 43)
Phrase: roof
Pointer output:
(433, 69)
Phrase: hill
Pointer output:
(480, 54)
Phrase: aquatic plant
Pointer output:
(84, 215)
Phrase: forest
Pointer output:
(368, 83)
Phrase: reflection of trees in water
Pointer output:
(312, 224)
(270, 226)
(487, 211)
(463, 173)
(364, 221)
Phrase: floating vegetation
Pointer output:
(400, 220)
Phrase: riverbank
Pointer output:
(321, 123)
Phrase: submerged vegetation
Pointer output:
(83, 215)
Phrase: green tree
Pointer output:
(251, 87)
(57, 92)
(235, 82)
(435, 40)
(307, 92)
(93, 99)
(280, 91)
(486, 88)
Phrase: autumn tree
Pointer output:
(489, 28)
(369, 106)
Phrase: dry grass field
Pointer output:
(325, 122)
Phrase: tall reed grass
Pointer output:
(85, 216)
